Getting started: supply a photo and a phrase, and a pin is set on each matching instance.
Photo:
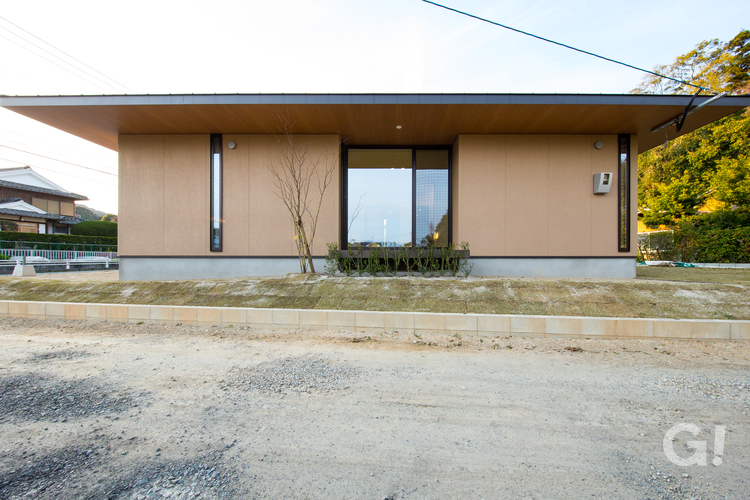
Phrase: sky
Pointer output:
(334, 46)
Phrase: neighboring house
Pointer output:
(511, 174)
(34, 203)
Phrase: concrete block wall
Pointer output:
(486, 325)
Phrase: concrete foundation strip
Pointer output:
(485, 325)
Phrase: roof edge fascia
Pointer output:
(365, 99)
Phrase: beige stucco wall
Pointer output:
(532, 195)
(165, 197)
(513, 195)
(256, 222)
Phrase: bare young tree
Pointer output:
(301, 180)
(356, 212)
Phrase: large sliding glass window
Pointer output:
(623, 193)
(380, 187)
(397, 197)
(215, 229)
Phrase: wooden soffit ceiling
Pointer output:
(371, 119)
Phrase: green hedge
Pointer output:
(718, 237)
(57, 238)
(713, 245)
(12, 240)
(95, 228)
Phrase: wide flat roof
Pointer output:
(371, 119)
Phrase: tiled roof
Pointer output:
(26, 213)
(37, 189)
(71, 220)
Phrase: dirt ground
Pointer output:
(127, 411)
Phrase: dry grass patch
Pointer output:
(682, 296)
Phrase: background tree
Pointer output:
(301, 181)
(110, 218)
(709, 166)
(8, 225)
(712, 64)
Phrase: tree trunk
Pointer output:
(305, 245)
(300, 249)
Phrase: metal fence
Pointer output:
(55, 254)
(57, 251)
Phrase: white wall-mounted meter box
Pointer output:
(602, 182)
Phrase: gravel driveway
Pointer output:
(127, 411)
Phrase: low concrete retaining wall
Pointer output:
(61, 267)
(488, 325)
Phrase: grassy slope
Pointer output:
(651, 297)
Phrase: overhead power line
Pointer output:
(564, 45)
(75, 59)
(58, 172)
(20, 144)
(53, 62)
(61, 161)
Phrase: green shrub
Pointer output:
(388, 261)
(713, 245)
(95, 228)
(722, 236)
(659, 245)
(333, 258)
(57, 238)
(57, 242)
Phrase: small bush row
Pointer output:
(388, 261)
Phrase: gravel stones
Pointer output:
(67, 473)
(34, 397)
(203, 477)
(712, 387)
(299, 374)
(65, 355)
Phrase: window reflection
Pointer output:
(624, 194)
(215, 193)
(384, 189)
(432, 197)
(379, 206)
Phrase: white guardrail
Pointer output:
(48, 255)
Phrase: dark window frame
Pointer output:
(216, 143)
(345, 188)
(623, 145)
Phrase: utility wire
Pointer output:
(17, 143)
(564, 45)
(75, 59)
(58, 172)
(53, 62)
(61, 161)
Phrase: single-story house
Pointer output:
(538, 185)
(35, 204)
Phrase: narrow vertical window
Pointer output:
(623, 193)
(216, 193)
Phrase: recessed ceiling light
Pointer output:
(398, 127)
